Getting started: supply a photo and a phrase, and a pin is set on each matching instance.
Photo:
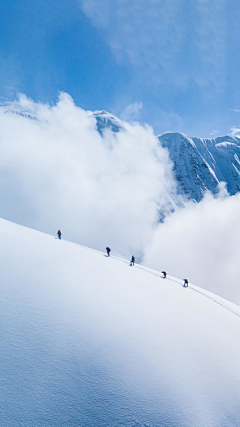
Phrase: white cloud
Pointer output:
(132, 111)
(202, 243)
(59, 172)
(235, 130)
(145, 33)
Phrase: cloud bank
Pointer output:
(201, 243)
(57, 171)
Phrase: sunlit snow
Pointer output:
(89, 341)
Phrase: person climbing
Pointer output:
(185, 283)
(108, 250)
(132, 260)
(59, 233)
(164, 274)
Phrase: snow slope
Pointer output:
(89, 341)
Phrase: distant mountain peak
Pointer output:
(106, 120)
(200, 164)
(22, 113)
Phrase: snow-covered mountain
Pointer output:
(107, 121)
(87, 340)
(200, 164)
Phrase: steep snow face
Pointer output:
(200, 164)
(87, 340)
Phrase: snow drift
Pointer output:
(87, 340)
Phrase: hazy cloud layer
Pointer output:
(202, 243)
(138, 30)
(168, 40)
(211, 43)
(57, 171)
(132, 112)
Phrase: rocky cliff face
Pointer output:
(201, 164)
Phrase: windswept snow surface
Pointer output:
(89, 341)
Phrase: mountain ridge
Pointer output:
(199, 164)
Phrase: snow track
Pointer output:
(194, 288)
(218, 300)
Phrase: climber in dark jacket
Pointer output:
(132, 260)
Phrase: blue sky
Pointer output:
(174, 64)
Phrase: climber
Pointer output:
(132, 260)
